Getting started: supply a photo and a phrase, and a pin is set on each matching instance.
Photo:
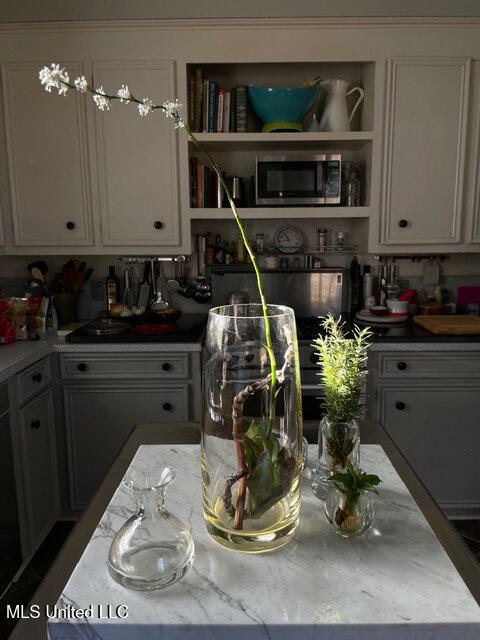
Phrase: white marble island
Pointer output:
(397, 582)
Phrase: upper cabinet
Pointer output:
(47, 160)
(424, 151)
(137, 158)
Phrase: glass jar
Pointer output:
(349, 518)
(251, 438)
(153, 549)
(337, 443)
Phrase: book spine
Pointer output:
(212, 107)
(241, 109)
(191, 102)
(198, 100)
(193, 181)
(226, 112)
(233, 109)
(206, 186)
(205, 97)
(199, 185)
(221, 97)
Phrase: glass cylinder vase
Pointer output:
(337, 443)
(252, 429)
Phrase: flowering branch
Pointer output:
(56, 77)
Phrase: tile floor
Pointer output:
(22, 591)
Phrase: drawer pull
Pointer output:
(37, 377)
(166, 366)
(400, 405)
(70, 225)
(401, 366)
(158, 225)
(402, 223)
(35, 424)
(167, 406)
(81, 366)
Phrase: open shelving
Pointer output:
(236, 152)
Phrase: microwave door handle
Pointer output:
(320, 182)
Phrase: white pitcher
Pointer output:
(335, 114)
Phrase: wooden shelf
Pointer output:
(279, 213)
(238, 141)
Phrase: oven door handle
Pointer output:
(314, 387)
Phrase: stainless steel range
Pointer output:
(312, 293)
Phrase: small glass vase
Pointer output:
(153, 549)
(349, 520)
(337, 443)
(251, 445)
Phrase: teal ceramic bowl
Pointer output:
(282, 105)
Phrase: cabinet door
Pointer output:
(99, 419)
(424, 156)
(436, 427)
(137, 158)
(47, 157)
(39, 466)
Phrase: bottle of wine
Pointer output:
(219, 252)
(113, 287)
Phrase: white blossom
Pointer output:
(145, 107)
(81, 84)
(124, 94)
(101, 100)
(55, 77)
(171, 108)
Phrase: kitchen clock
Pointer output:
(289, 239)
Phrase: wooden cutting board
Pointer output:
(450, 325)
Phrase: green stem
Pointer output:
(261, 292)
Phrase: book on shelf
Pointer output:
(226, 112)
(212, 106)
(221, 97)
(241, 100)
(191, 103)
(199, 185)
(198, 100)
(193, 181)
(205, 98)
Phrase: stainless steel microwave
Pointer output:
(290, 180)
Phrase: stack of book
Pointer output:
(205, 188)
(212, 109)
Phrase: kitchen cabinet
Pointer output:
(47, 160)
(39, 467)
(99, 417)
(424, 151)
(137, 158)
(429, 403)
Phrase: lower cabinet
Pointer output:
(100, 416)
(36, 431)
(431, 412)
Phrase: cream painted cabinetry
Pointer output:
(48, 165)
(137, 159)
(424, 151)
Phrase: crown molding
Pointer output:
(79, 26)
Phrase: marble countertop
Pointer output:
(395, 583)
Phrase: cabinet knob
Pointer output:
(35, 424)
(166, 366)
(70, 225)
(81, 366)
(158, 225)
(37, 377)
(400, 405)
(402, 223)
(167, 406)
(401, 366)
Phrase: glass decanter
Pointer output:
(153, 549)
